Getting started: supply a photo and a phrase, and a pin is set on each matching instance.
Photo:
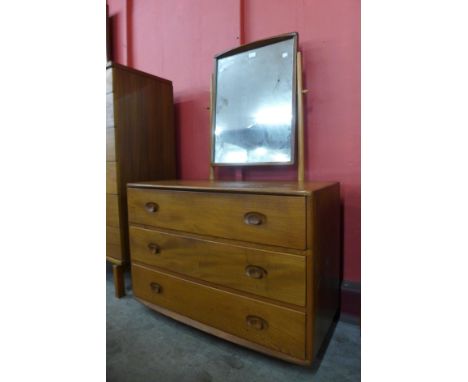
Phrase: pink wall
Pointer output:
(177, 39)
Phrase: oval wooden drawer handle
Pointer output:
(151, 207)
(154, 248)
(256, 322)
(157, 288)
(254, 218)
(255, 272)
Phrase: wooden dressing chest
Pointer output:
(256, 263)
(139, 145)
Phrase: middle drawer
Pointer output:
(274, 275)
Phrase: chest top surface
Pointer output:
(263, 187)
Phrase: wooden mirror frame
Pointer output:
(294, 125)
(298, 102)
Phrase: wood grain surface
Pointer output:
(108, 80)
(282, 329)
(112, 210)
(223, 215)
(109, 110)
(113, 243)
(325, 277)
(139, 141)
(226, 336)
(110, 145)
(256, 187)
(275, 275)
(111, 178)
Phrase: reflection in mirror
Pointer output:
(254, 117)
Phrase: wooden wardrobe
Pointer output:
(140, 145)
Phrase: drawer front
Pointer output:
(108, 80)
(110, 110)
(113, 235)
(112, 210)
(110, 145)
(266, 324)
(266, 219)
(269, 274)
(113, 244)
(111, 178)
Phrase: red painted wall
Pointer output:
(177, 39)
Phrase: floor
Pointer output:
(144, 346)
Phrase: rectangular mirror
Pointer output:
(254, 116)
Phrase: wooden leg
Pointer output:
(119, 283)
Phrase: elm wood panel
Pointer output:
(113, 243)
(310, 223)
(325, 209)
(108, 80)
(274, 275)
(144, 132)
(257, 44)
(310, 319)
(109, 110)
(301, 309)
(255, 187)
(144, 121)
(114, 252)
(112, 210)
(226, 336)
(119, 282)
(222, 240)
(111, 178)
(110, 145)
(223, 215)
(277, 328)
(114, 261)
(123, 69)
(113, 235)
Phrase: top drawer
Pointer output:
(265, 219)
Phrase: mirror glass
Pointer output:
(255, 103)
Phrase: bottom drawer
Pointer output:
(275, 327)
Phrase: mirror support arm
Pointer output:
(212, 170)
(300, 120)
